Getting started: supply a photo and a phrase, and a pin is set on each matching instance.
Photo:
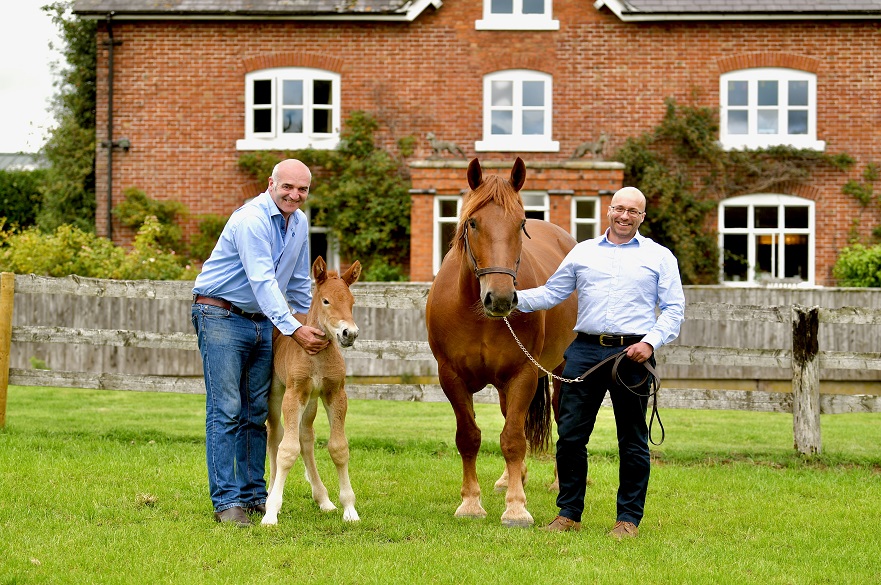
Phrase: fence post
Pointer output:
(805, 379)
(7, 293)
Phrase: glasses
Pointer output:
(631, 212)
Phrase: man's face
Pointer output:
(626, 214)
(291, 189)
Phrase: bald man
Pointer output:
(257, 277)
(619, 279)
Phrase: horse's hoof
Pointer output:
(327, 507)
(524, 523)
(500, 488)
(267, 521)
(350, 515)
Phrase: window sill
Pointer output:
(517, 144)
(288, 143)
(755, 143)
(517, 23)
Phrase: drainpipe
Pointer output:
(110, 44)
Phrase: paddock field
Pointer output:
(109, 487)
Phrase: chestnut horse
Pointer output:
(298, 382)
(472, 294)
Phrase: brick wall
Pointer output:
(179, 93)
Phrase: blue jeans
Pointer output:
(579, 405)
(237, 361)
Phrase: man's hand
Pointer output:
(640, 352)
(310, 339)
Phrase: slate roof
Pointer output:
(628, 10)
(649, 10)
(320, 9)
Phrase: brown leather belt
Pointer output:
(203, 300)
(611, 339)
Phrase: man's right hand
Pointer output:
(310, 339)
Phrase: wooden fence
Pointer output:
(804, 360)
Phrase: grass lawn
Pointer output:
(110, 487)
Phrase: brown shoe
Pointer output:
(624, 530)
(562, 524)
(258, 509)
(235, 515)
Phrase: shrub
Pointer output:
(137, 207)
(859, 266)
(20, 197)
(210, 227)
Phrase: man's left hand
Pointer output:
(640, 352)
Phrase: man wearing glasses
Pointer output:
(619, 278)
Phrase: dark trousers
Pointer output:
(579, 405)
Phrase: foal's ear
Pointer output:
(319, 270)
(518, 174)
(475, 174)
(351, 275)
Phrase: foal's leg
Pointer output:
(336, 404)
(288, 451)
(274, 428)
(307, 445)
(467, 442)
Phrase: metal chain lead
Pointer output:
(538, 365)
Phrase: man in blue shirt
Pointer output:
(257, 276)
(619, 279)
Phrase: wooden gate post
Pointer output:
(7, 293)
(806, 379)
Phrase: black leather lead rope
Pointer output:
(654, 386)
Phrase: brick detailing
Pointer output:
(784, 60)
(291, 59)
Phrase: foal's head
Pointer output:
(332, 302)
(489, 235)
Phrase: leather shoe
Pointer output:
(256, 509)
(624, 530)
(562, 524)
(235, 515)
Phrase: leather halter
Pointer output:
(491, 269)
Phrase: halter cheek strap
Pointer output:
(491, 269)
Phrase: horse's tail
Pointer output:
(538, 418)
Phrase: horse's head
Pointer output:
(332, 301)
(492, 220)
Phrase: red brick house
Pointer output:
(195, 84)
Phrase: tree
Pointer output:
(69, 187)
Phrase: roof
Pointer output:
(677, 10)
(404, 10)
(21, 161)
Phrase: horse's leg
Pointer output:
(467, 442)
(274, 428)
(513, 442)
(336, 404)
(288, 450)
(307, 447)
(501, 484)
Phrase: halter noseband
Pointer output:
(491, 269)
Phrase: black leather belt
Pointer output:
(611, 339)
(203, 300)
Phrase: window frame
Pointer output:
(544, 208)
(437, 220)
(596, 221)
(779, 233)
(753, 139)
(517, 20)
(274, 139)
(517, 141)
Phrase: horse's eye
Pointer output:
(325, 302)
(472, 223)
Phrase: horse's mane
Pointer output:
(493, 189)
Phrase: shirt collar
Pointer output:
(636, 240)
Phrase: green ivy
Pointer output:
(684, 172)
(360, 193)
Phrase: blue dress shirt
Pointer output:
(261, 264)
(618, 287)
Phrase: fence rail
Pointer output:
(805, 360)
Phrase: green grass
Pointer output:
(110, 487)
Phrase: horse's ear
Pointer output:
(475, 174)
(351, 275)
(319, 270)
(518, 174)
